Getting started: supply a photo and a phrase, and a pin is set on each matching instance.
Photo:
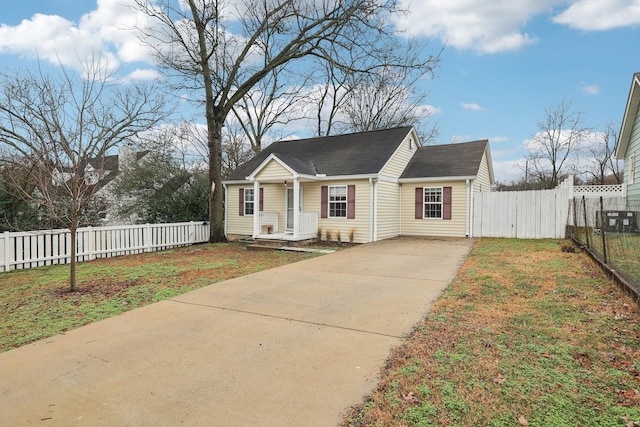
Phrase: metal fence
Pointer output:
(609, 227)
(46, 247)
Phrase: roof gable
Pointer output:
(351, 154)
(447, 160)
(269, 161)
(630, 114)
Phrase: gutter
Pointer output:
(437, 179)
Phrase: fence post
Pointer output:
(7, 261)
(604, 239)
(586, 224)
(91, 244)
(192, 232)
(147, 238)
(575, 219)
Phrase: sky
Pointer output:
(505, 62)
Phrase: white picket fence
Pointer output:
(537, 214)
(20, 250)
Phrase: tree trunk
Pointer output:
(216, 196)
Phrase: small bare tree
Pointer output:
(558, 138)
(600, 162)
(58, 128)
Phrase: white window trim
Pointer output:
(424, 203)
(346, 201)
(253, 202)
(632, 168)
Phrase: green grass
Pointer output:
(525, 335)
(35, 303)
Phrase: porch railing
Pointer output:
(308, 224)
(269, 219)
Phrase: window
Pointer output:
(248, 201)
(338, 201)
(632, 168)
(433, 202)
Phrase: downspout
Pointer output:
(256, 208)
(371, 210)
(226, 216)
(375, 210)
(469, 208)
(400, 208)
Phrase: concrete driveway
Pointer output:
(295, 345)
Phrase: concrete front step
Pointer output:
(257, 247)
(271, 242)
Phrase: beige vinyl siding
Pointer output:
(633, 190)
(483, 181)
(236, 224)
(274, 171)
(400, 158)
(312, 203)
(388, 205)
(455, 227)
(274, 201)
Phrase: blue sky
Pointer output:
(505, 62)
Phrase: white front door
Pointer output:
(290, 209)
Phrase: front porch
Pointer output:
(268, 227)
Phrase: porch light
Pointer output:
(285, 183)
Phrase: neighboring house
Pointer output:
(103, 172)
(371, 185)
(628, 148)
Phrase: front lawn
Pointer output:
(36, 304)
(526, 335)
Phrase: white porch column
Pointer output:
(256, 208)
(296, 207)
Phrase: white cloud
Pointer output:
(460, 138)
(600, 15)
(497, 139)
(143, 74)
(506, 171)
(471, 106)
(54, 39)
(484, 26)
(493, 26)
(590, 89)
(105, 33)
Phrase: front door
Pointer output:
(289, 208)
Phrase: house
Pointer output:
(363, 186)
(628, 147)
(100, 174)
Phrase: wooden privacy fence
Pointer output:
(39, 248)
(521, 214)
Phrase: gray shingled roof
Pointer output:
(352, 154)
(448, 160)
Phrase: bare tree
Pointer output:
(235, 148)
(272, 103)
(349, 100)
(600, 163)
(328, 98)
(196, 43)
(558, 138)
(58, 129)
(387, 99)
